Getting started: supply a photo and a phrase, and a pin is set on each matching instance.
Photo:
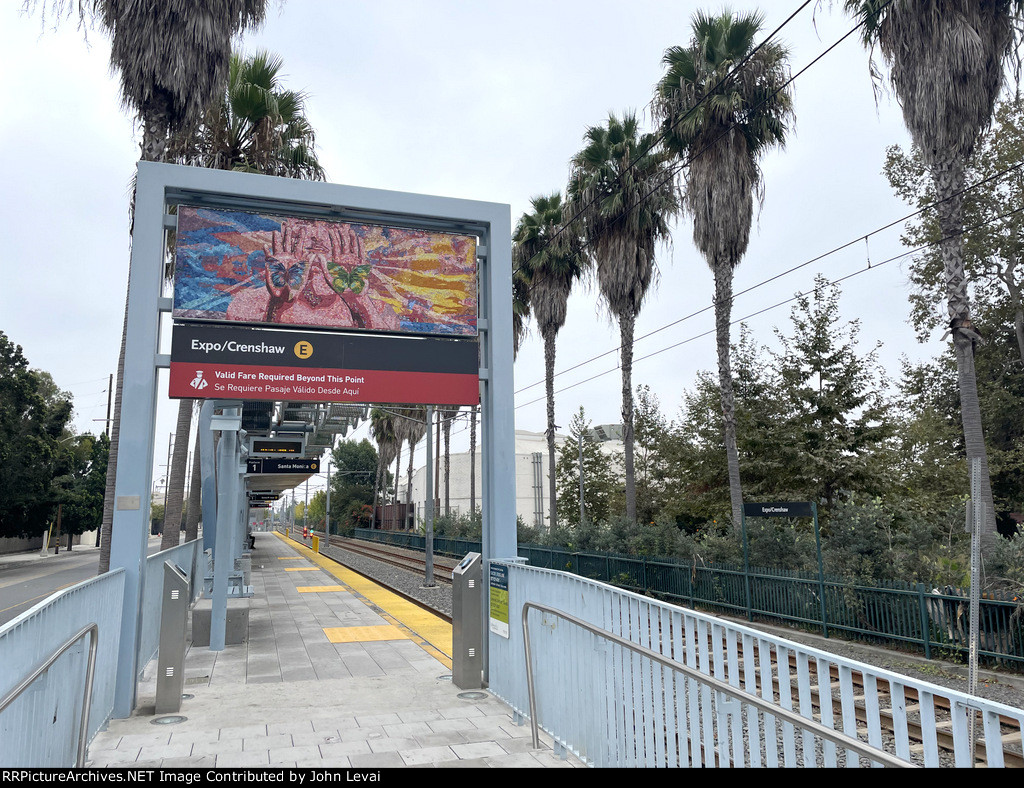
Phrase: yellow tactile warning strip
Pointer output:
(302, 569)
(365, 634)
(289, 558)
(432, 633)
(318, 589)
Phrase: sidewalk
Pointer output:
(336, 673)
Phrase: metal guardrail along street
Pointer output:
(90, 673)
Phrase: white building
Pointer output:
(531, 475)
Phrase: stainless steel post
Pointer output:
(467, 623)
(170, 678)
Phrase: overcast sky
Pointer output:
(482, 100)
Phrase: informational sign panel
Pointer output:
(235, 266)
(784, 509)
(265, 364)
(258, 505)
(264, 496)
(263, 466)
(276, 447)
(498, 616)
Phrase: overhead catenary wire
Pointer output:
(870, 267)
(817, 258)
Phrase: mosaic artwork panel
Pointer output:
(261, 269)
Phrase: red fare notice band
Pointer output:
(302, 384)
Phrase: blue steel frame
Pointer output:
(159, 186)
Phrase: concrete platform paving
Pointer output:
(336, 673)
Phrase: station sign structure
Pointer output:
(276, 447)
(258, 505)
(260, 465)
(270, 364)
(264, 496)
(784, 509)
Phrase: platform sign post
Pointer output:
(784, 509)
(319, 258)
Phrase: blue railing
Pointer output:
(40, 728)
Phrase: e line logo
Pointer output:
(303, 349)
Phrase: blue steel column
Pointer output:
(497, 407)
(223, 561)
(208, 469)
(498, 432)
(129, 531)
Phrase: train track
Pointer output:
(397, 556)
(1009, 729)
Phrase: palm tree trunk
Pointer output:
(398, 471)
(107, 524)
(408, 484)
(626, 322)
(176, 476)
(449, 415)
(948, 175)
(723, 316)
(376, 485)
(549, 333)
(194, 495)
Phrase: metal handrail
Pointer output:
(841, 739)
(90, 673)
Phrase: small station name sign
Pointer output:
(783, 509)
(264, 496)
(267, 465)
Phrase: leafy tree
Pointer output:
(355, 466)
(621, 185)
(81, 488)
(33, 417)
(723, 104)
(550, 257)
(651, 429)
(837, 399)
(599, 478)
(946, 63)
(994, 230)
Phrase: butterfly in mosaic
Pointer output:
(282, 274)
(354, 280)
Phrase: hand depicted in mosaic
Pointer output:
(316, 274)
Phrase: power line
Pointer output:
(994, 177)
(663, 135)
(869, 267)
(673, 172)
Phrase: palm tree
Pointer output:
(255, 126)
(550, 258)
(169, 73)
(622, 187)
(946, 61)
(382, 429)
(520, 309)
(415, 430)
(722, 104)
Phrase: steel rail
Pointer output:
(90, 673)
(840, 739)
